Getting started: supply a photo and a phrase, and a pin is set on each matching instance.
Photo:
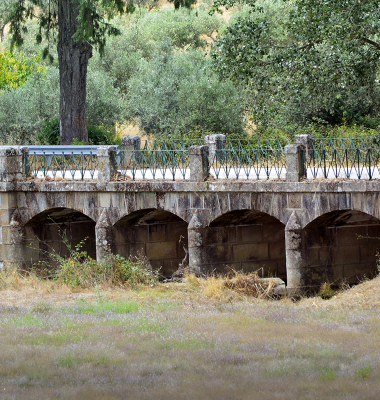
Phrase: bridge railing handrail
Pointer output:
(350, 158)
(244, 158)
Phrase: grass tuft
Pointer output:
(363, 372)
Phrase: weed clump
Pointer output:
(82, 271)
(326, 291)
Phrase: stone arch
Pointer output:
(51, 230)
(248, 240)
(158, 234)
(341, 246)
(272, 204)
(29, 214)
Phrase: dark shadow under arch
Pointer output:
(341, 246)
(247, 240)
(154, 233)
(45, 234)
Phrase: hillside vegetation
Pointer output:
(172, 72)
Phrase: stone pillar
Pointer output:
(196, 235)
(294, 254)
(130, 145)
(12, 163)
(216, 144)
(14, 242)
(307, 141)
(295, 165)
(198, 161)
(103, 237)
(106, 163)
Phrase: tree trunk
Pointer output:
(73, 59)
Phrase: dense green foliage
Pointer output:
(175, 93)
(16, 69)
(127, 82)
(294, 66)
(305, 60)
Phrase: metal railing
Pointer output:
(152, 164)
(169, 144)
(350, 158)
(250, 159)
(64, 162)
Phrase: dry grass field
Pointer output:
(192, 340)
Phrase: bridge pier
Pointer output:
(14, 241)
(103, 237)
(196, 240)
(294, 254)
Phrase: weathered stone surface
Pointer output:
(198, 163)
(294, 162)
(325, 238)
(106, 167)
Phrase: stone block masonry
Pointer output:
(305, 232)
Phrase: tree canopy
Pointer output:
(303, 55)
(76, 26)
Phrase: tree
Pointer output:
(81, 25)
(16, 70)
(5, 8)
(304, 55)
(183, 3)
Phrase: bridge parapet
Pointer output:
(237, 159)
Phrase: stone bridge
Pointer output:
(305, 232)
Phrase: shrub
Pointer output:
(176, 93)
(142, 35)
(80, 270)
(97, 135)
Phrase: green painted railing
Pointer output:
(250, 159)
(62, 165)
(169, 144)
(350, 158)
(152, 164)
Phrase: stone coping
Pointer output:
(276, 186)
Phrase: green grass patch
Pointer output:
(105, 306)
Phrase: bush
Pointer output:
(176, 93)
(97, 135)
(104, 103)
(142, 35)
(80, 270)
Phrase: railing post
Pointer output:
(198, 161)
(295, 162)
(106, 163)
(307, 141)
(130, 145)
(12, 163)
(216, 145)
